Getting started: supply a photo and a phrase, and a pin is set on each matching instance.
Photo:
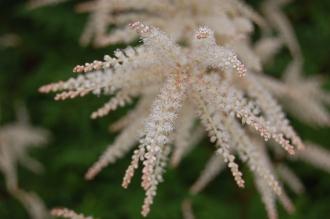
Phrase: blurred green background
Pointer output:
(47, 51)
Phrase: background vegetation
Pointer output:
(48, 49)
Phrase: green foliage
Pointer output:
(48, 50)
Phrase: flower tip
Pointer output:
(241, 185)
(42, 89)
(78, 69)
(46, 88)
(124, 185)
(89, 176)
(94, 115)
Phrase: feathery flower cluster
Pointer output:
(187, 77)
(200, 79)
(15, 140)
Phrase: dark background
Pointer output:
(47, 52)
